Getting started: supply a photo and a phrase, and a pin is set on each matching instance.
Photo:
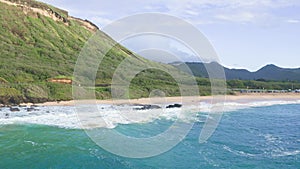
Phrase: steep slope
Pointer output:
(39, 46)
(36, 47)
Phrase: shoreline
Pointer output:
(240, 98)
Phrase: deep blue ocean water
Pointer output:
(260, 137)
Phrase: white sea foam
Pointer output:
(110, 116)
(31, 142)
(237, 152)
(286, 153)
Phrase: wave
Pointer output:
(286, 153)
(112, 115)
(237, 152)
(274, 153)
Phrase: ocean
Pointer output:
(251, 135)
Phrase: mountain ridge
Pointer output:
(268, 72)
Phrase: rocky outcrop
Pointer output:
(147, 107)
(9, 100)
(174, 106)
(37, 8)
(14, 109)
(85, 23)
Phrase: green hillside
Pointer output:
(37, 47)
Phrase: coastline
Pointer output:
(240, 98)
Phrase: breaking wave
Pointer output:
(109, 116)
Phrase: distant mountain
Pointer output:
(268, 72)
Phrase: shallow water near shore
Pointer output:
(248, 137)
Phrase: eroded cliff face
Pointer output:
(85, 23)
(34, 8)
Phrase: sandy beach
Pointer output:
(240, 98)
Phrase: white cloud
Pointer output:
(191, 12)
(240, 17)
(294, 21)
(195, 11)
(101, 21)
(239, 11)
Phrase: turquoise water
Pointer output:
(261, 137)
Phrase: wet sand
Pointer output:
(240, 98)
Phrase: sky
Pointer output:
(245, 34)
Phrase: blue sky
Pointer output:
(245, 34)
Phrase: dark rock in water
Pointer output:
(30, 109)
(22, 106)
(174, 106)
(34, 105)
(6, 115)
(14, 109)
(147, 107)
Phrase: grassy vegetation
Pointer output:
(35, 48)
(262, 84)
